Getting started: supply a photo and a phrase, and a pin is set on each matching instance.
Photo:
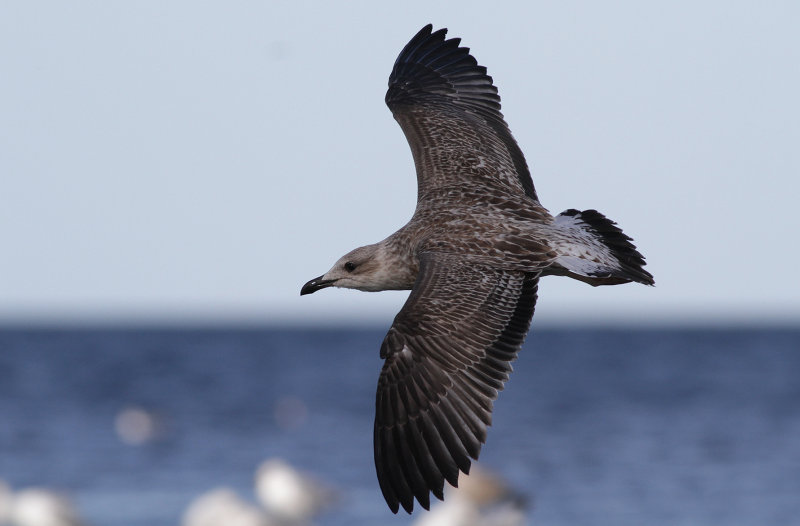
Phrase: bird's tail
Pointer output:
(593, 249)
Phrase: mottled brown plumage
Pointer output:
(472, 256)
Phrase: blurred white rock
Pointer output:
(289, 495)
(223, 507)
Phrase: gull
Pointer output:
(36, 507)
(288, 494)
(481, 499)
(472, 255)
(223, 507)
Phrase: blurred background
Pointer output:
(172, 173)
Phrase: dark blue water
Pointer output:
(645, 427)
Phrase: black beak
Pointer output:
(315, 284)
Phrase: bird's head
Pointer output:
(360, 269)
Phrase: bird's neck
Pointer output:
(397, 266)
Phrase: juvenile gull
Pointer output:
(472, 256)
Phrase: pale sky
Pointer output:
(202, 160)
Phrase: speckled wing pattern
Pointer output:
(449, 111)
(447, 355)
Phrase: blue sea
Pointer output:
(596, 427)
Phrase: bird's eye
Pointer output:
(349, 266)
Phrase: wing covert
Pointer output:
(449, 110)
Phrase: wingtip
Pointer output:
(433, 67)
(428, 29)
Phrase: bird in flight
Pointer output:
(472, 255)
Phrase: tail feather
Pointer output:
(592, 248)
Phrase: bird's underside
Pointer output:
(472, 255)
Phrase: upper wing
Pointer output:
(447, 356)
(450, 113)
